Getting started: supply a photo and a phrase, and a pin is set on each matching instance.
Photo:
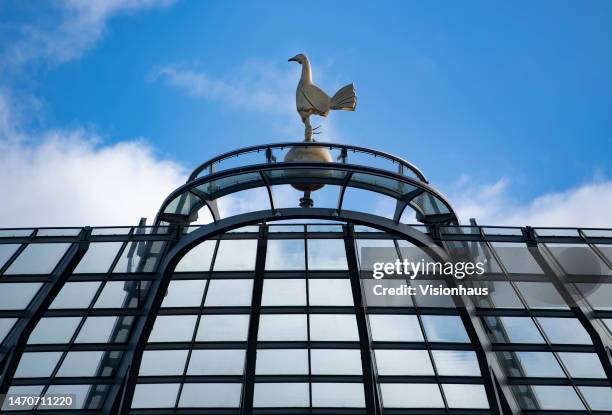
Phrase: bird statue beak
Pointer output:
(292, 59)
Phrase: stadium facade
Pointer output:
(273, 310)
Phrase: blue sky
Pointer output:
(511, 100)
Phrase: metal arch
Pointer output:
(129, 370)
(342, 147)
(259, 168)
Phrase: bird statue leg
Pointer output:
(307, 129)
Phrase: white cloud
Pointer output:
(586, 205)
(66, 29)
(255, 86)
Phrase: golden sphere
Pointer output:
(308, 154)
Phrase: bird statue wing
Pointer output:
(317, 99)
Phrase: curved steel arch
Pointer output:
(295, 175)
(344, 148)
(120, 397)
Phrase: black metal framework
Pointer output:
(540, 343)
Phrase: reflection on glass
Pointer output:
(326, 254)
(218, 327)
(338, 395)
(236, 255)
(501, 295)
(216, 362)
(38, 259)
(229, 293)
(395, 328)
(98, 258)
(282, 362)
(184, 293)
(210, 395)
(333, 327)
(330, 292)
(411, 395)
(285, 254)
(51, 330)
(512, 330)
(173, 329)
(582, 365)
(104, 330)
(284, 292)
(533, 397)
(17, 296)
(403, 362)
(541, 295)
(578, 259)
(155, 395)
(517, 258)
(597, 295)
(335, 362)
(531, 364)
(456, 363)
(163, 362)
(140, 256)
(121, 294)
(281, 395)
(82, 364)
(198, 258)
(282, 327)
(75, 295)
(564, 330)
(37, 364)
(445, 329)
(465, 396)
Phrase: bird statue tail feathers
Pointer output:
(344, 99)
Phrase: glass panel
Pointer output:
(35, 390)
(445, 329)
(547, 397)
(377, 293)
(58, 231)
(429, 300)
(80, 391)
(411, 395)
(395, 328)
(598, 398)
(17, 296)
(456, 363)
(216, 362)
(6, 324)
(6, 251)
(282, 327)
(75, 295)
(597, 295)
(37, 365)
(517, 258)
(582, 365)
(102, 330)
(81, 364)
(284, 292)
(282, 362)
(326, 254)
(229, 293)
(281, 395)
(184, 293)
(155, 395)
(375, 250)
(140, 256)
(210, 395)
(285, 254)
(338, 395)
(335, 362)
(330, 292)
(163, 362)
(121, 294)
(111, 231)
(333, 327)
(198, 258)
(512, 330)
(541, 295)
(15, 233)
(52, 330)
(501, 295)
(403, 363)
(531, 364)
(173, 329)
(578, 259)
(223, 328)
(99, 257)
(38, 259)
(564, 330)
(465, 396)
(236, 255)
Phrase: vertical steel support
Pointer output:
(370, 386)
(17, 340)
(251, 352)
